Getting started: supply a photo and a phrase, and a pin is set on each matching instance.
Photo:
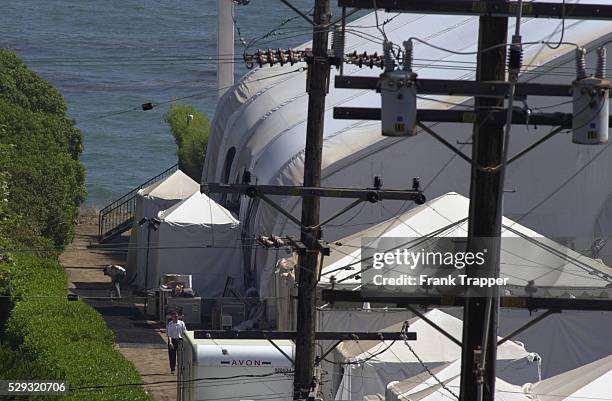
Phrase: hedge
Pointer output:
(49, 337)
(45, 336)
(45, 180)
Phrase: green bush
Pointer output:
(44, 178)
(24, 88)
(191, 137)
(45, 336)
(49, 337)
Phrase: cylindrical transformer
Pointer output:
(398, 103)
(590, 111)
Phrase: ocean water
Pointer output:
(108, 57)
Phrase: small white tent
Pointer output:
(149, 202)
(424, 387)
(370, 365)
(197, 236)
(588, 382)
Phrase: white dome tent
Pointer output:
(260, 127)
(149, 202)
(197, 236)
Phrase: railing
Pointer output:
(117, 217)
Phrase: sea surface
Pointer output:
(108, 57)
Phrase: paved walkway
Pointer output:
(139, 340)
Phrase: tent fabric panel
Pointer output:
(191, 249)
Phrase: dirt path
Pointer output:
(139, 340)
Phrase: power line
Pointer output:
(562, 28)
(96, 387)
(207, 93)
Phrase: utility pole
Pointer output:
(485, 216)
(308, 264)
(225, 45)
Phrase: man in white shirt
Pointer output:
(175, 331)
(117, 274)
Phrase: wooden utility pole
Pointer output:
(486, 194)
(318, 73)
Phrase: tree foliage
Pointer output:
(44, 177)
(191, 137)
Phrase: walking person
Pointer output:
(117, 274)
(175, 331)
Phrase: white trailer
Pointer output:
(234, 370)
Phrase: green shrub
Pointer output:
(191, 137)
(49, 337)
(45, 336)
(83, 364)
(45, 181)
(23, 87)
(37, 325)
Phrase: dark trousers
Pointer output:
(176, 342)
(115, 284)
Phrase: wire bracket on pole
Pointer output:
(528, 325)
(446, 143)
(433, 324)
(279, 349)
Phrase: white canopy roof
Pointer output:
(431, 345)
(588, 382)
(371, 365)
(178, 185)
(426, 388)
(263, 116)
(526, 255)
(197, 209)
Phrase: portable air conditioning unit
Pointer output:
(152, 304)
(189, 308)
(226, 313)
(226, 322)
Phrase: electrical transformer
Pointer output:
(398, 104)
(590, 111)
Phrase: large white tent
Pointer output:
(564, 341)
(260, 126)
(371, 365)
(197, 236)
(526, 256)
(149, 202)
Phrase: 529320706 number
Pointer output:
(33, 387)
